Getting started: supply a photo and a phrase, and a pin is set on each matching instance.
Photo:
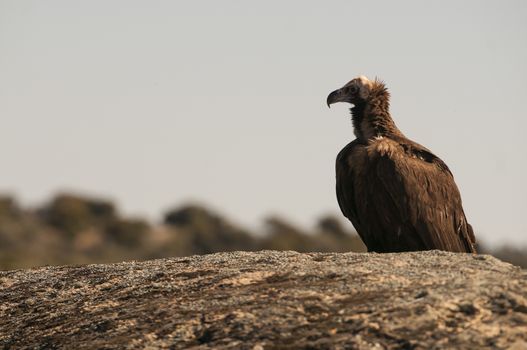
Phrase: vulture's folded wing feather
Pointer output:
(345, 186)
(427, 200)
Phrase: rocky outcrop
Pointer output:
(270, 300)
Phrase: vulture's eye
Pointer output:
(353, 89)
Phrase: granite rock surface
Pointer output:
(270, 300)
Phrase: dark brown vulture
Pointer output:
(397, 194)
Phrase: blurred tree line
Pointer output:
(72, 229)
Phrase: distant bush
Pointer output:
(71, 214)
(9, 207)
(514, 255)
(127, 232)
(206, 232)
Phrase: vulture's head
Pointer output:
(356, 91)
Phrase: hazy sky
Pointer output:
(153, 103)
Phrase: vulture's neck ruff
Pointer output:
(371, 117)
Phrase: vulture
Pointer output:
(398, 195)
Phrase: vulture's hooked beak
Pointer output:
(335, 96)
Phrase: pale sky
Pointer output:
(155, 103)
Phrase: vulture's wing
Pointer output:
(345, 187)
(426, 198)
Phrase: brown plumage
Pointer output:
(398, 195)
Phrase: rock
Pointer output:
(270, 300)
